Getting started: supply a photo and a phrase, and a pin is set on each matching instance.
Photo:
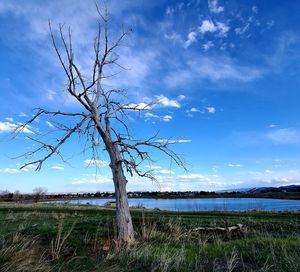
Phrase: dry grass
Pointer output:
(21, 253)
(60, 240)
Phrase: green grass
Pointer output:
(52, 237)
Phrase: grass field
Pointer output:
(51, 237)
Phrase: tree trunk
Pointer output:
(123, 217)
(125, 232)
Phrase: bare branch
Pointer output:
(52, 149)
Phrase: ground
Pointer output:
(52, 237)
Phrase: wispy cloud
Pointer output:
(22, 114)
(12, 127)
(99, 163)
(219, 28)
(163, 101)
(174, 141)
(214, 6)
(217, 68)
(234, 165)
(10, 119)
(211, 109)
(165, 172)
(10, 170)
(284, 136)
(274, 136)
(50, 124)
(99, 179)
(208, 45)
(28, 167)
(57, 168)
(164, 118)
(191, 38)
(138, 106)
(154, 167)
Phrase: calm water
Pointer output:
(204, 204)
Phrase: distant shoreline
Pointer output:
(155, 195)
(291, 196)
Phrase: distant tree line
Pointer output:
(40, 194)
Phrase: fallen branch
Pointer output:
(227, 229)
(237, 230)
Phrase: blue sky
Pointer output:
(226, 74)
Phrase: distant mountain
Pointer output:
(289, 188)
(242, 190)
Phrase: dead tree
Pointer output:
(103, 119)
(39, 193)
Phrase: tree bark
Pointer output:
(125, 230)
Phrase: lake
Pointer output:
(203, 204)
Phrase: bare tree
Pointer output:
(39, 192)
(103, 119)
(17, 196)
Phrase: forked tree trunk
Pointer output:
(123, 216)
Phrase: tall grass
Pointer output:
(83, 240)
(59, 242)
(21, 253)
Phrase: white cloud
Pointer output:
(169, 11)
(51, 95)
(151, 115)
(195, 177)
(211, 109)
(273, 126)
(167, 118)
(207, 26)
(191, 38)
(194, 110)
(215, 68)
(270, 178)
(28, 167)
(11, 127)
(154, 167)
(191, 111)
(164, 101)
(184, 141)
(173, 37)
(284, 136)
(99, 179)
(174, 141)
(234, 165)
(57, 168)
(49, 124)
(99, 163)
(254, 9)
(214, 7)
(208, 45)
(164, 118)
(181, 97)
(138, 64)
(166, 172)
(22, 114)
(139, 106)
(10, 119)
(10, 170)
(223, 29)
